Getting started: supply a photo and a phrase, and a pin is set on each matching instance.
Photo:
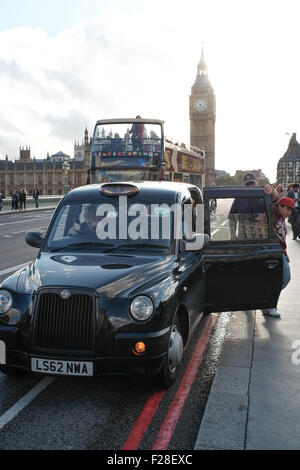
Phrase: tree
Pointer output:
(227, 180)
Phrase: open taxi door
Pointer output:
(243, 263)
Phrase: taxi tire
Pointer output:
(169, 371)
(12, 372)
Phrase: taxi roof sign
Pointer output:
(119, 189)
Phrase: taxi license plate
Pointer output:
(47, 366)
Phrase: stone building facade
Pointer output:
(288, 168)
(45, 174)
(203, 118)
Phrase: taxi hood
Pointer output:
(110, 275)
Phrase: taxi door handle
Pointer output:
(272, 264)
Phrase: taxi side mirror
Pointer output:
(34, 239)
(198, 242)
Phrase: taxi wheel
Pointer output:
(13, 372)
(174, 355)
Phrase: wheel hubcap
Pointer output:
(175, 348)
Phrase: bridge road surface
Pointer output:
(107, 412)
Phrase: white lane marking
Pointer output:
(21, 231)
(24, 231)
(14, 268)
(23, 221)
(21, 404)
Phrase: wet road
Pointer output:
(103, 413)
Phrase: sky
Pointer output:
(65, 64)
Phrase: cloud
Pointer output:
(54, 87)
(123, 63)
(64, 129)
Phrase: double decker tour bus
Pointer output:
(137, 150)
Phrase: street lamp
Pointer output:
(66, 168)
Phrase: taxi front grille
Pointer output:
(64, 325)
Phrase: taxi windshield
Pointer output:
(106, 227)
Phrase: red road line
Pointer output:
(143, 421)
(147, 413)
(168, 426)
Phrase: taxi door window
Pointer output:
(60, 225)
(238, 219)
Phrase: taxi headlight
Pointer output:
(5, 301)
(141, 308)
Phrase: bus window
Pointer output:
(178, 177)
(127, 144)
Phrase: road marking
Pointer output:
(23, 221)
(167, 429)
(143, 421)
(168, 426)
(14, 268)
(21, 404)
(24, 231)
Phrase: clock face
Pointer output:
(200, 105)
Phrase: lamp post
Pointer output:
(66, 168)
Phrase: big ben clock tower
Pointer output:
(203, 119)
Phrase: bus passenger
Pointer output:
(137, 131)
(117, 143)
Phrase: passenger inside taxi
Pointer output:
(89, 225)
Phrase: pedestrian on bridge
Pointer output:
(35, 196)
(23, 197)
(15, 199)
(282, 210)
(294, 218)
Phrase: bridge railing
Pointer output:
(44, 201)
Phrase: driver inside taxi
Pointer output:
(89, 224)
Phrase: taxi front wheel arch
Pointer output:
(172, 360)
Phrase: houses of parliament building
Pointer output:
(47, 174)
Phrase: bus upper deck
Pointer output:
(137, 149)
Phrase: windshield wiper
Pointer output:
(81, 245)
(135, 245)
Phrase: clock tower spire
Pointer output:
(202, 67)
(203, 118)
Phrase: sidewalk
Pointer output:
(254, 400)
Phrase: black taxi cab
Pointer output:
(122, 277)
